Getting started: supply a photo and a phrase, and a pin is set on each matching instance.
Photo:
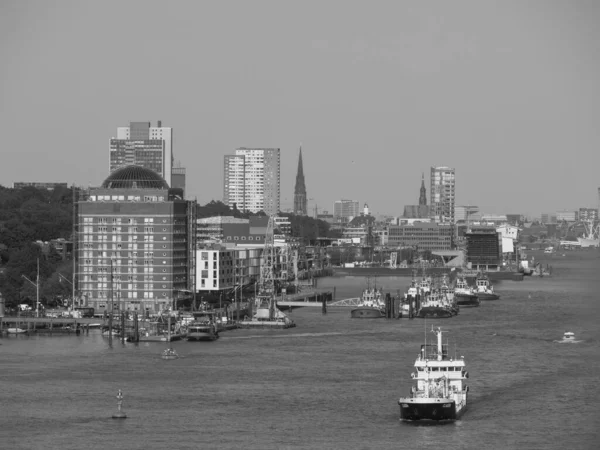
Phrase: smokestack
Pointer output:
(159, 123)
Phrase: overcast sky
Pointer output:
(508, 93)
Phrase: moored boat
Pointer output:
(484, 290)
(16, 330)
(464, 294)
(440, 393)
(435, 306)
(371, 305)
(203, 328)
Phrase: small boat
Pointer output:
(16, 330)
(484, 290)
(169, 353)
(440, 393)
(204, 327)
(371, 305)
(568, 336)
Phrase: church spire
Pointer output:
(300, 189)
(423, 196)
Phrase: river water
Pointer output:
(330, 383)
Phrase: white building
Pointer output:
(464, 213)
(566, 215)
(252, 180)
(345, 210)
(142, 145)
(442, 191)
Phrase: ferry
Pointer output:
(441, 391)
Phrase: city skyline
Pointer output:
(397, 90)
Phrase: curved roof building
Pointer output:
(134, 177)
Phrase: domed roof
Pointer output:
(135, 177)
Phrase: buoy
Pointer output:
(120, 414)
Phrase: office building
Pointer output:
(135, 246)
(442, 192)
(421, 236)
(345, 210)
(567, 216)
(252, 180)
(484, 247)
(142, 145)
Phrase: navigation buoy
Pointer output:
(120, 414)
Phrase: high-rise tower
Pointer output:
(143, 145)
(252, 180)
(441, 206)
(423, 195)
(300, 189)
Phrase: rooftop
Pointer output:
(134, 177)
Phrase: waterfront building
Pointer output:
(300, 190)
(218, 229)
(422, 235)
(135, 247)
(252, 180)
(221, 268)
(39, 185)
(567, 215)
(142, 145)
(442, 192)
(588, 214)
(484, 247)
(345, 210)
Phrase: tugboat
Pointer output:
(441, 392)
(464, 294)
(371, 305)
(485, 291)
(436, 306)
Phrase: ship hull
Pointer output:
(436, 410)
(434, 313)
(487, 296)
(366, 313)
(466, 300)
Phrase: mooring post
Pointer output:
(136, 327)
(324, 304)
(123, 327)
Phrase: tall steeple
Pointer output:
(300, 190)
(423, 196)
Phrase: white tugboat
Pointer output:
(441, 392)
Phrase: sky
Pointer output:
(376, 92)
